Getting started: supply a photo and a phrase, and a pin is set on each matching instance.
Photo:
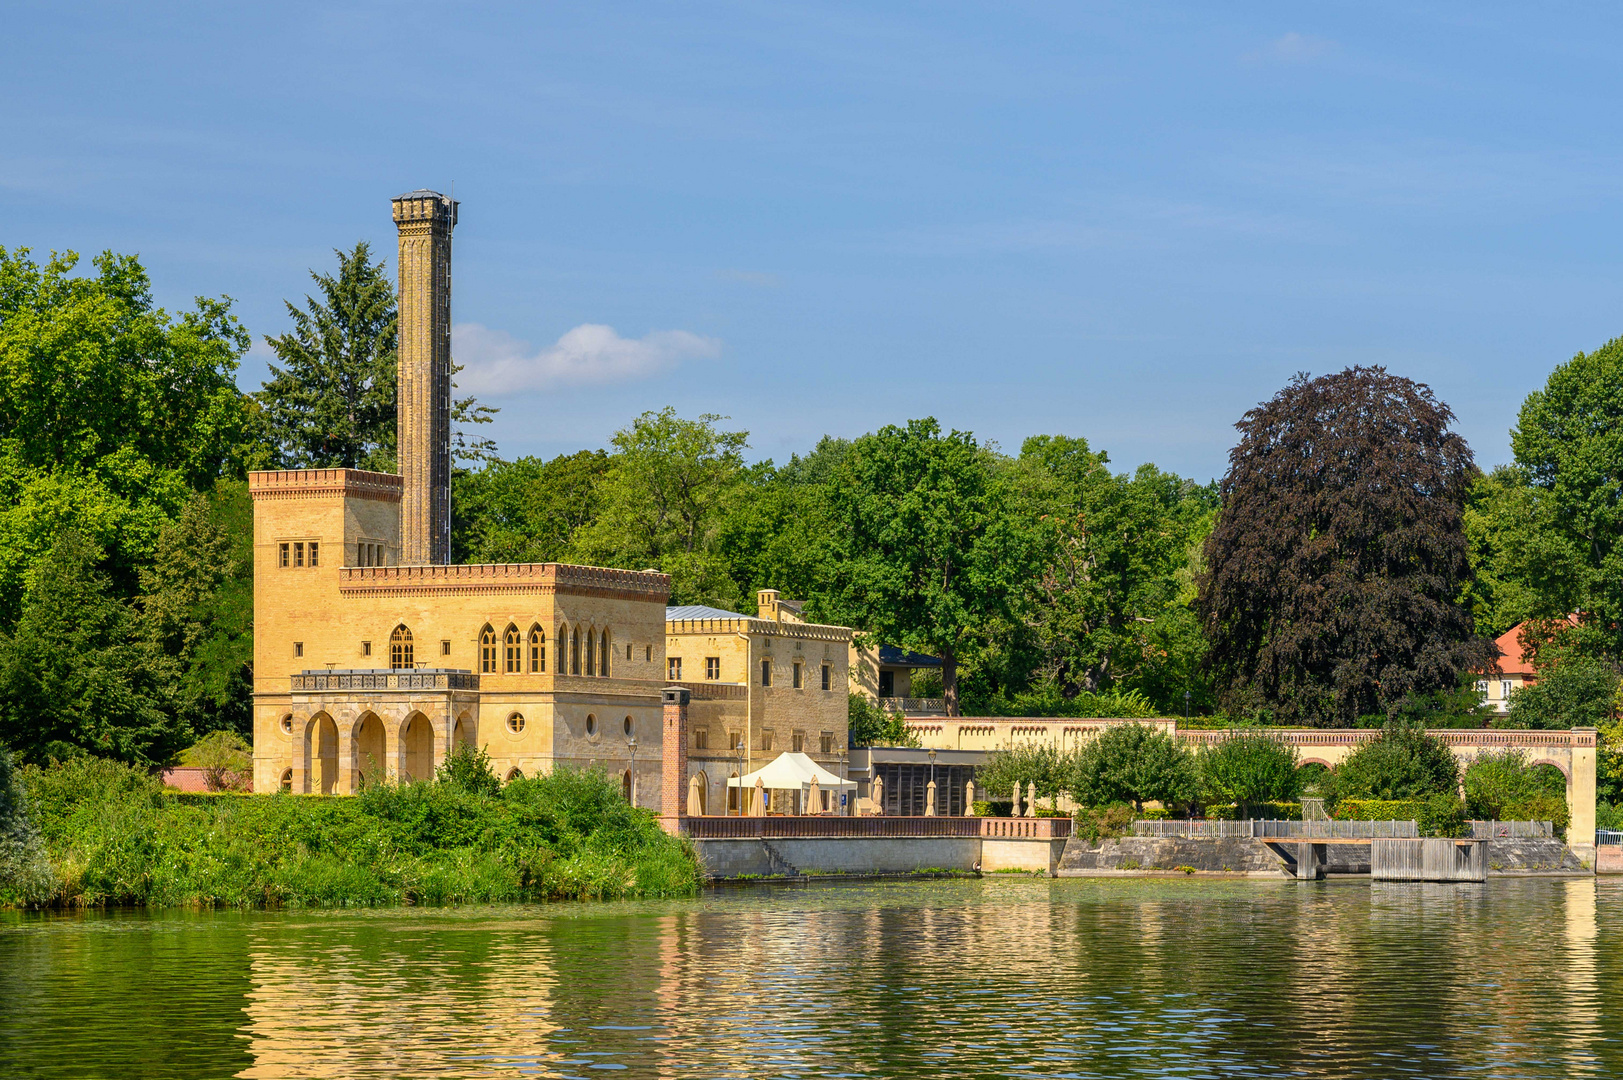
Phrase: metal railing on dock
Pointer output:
(1262, 828)
(1608, 837)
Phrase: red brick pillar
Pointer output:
(674, 781)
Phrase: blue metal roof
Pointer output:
(896, 656)
(700, 611)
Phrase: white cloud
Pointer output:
(494, 362)
(1293, 48)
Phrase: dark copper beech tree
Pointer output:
(1334, 573)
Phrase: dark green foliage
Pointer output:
(1574, 691)
(1133, 763)
(1441, 813)
(1461, 707)
(115, 837)
(1335, 569)
(76, 672)
(332, 402)
(921, 551)
(1096, 823)
(871, 725)
(526, 510)
(468, 769)
(1249, 768)
(1506, 787)
(198, 609)
(1048, 699)
(1271, 811)
(1402, 762)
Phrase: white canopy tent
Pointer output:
(790, 771)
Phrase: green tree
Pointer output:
(920, 549)
(198, 609)
(1402, 762)
(1574, 691)
(527, 510)
(1249, 768)
(663, 501)
(1506, 787)
(871, 725)
(1568, 442)
(1134, 763)
(1028, 763)
(332, 403)
(1335, 571)
(77, 675)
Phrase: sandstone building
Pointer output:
(374, 657)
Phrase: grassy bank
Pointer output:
(114, 836)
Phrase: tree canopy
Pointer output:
(1334, 573)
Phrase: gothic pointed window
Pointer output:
(512, 650)
(538, 650)
(574, 651)
(591, 653)
(400, 652)
(487, 650)
(603, 656)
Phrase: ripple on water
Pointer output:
(1120, 978)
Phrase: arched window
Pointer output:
(487, 650)
(512, 650)
(538, 650)
(515, 723)
(514, 774)
(591, 653)
(625, 785)
(574, 651)
(603, 656)
(400, 652)
(287, 780)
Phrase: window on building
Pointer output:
(1505, 687)
(603, 655)
(512, 650)
(797, 742)
(538, 650)
(673, 668)
(515, 723)
(712, 667)
(701, 739)
(828, 677)
(298, 553)
(797, 675)
(574, 651)
(487, 650)
(287, 724)
(591, 724)
(735, 740)
(766, 740)
(445, 646)
(626, 727)
(283, 554)
(315, 553)
(366, 648)
(628, 654)
(591, 665)
(732, 794)
(766, 673)
(648, 653)
(298, 648)
(825, 743)
(287, 779)
(400, 647)
(1482, 688)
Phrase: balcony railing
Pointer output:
(915, 706)
(308, 682)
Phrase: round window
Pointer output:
(591, 724)
(627, 725)
(515, 723)
(287, 724)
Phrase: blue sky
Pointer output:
(1125, 222)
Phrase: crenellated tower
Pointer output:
(424, 220)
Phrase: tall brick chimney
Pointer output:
(674, 783)
(424, 220)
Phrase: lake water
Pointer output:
(1073, 978)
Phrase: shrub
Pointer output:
(115, 837)
(1133, 763)
(1094, 824)
(1442, 814)
(226, 759)
(1402, 762)
(870, 725)
(1249, 768)
(1505, 787)
(468, 768)
(1608, 816)
(24, 870)
(992, 808)
(1273, 811)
